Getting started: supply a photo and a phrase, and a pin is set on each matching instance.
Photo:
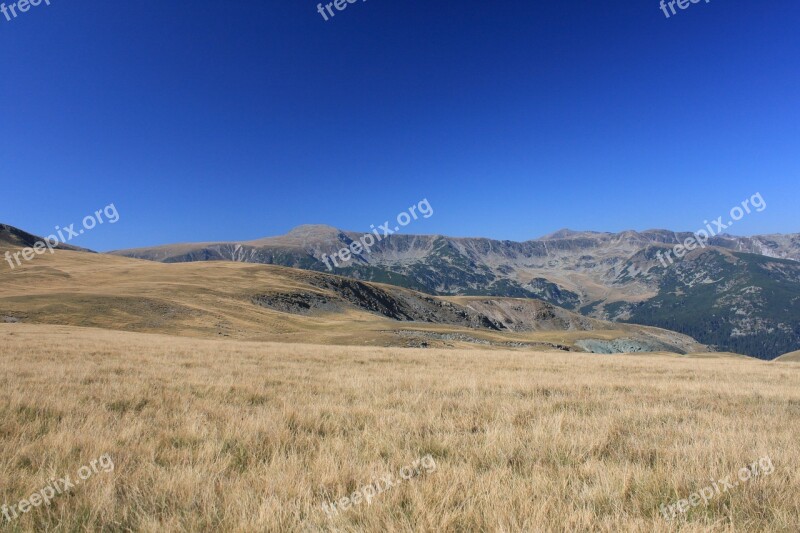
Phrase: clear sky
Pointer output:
(237, 120)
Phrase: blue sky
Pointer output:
(223, 121)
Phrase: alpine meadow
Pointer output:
(294, 267)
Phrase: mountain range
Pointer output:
(255, 302)
(739, 294)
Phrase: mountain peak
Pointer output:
(305, 229)
(301, 235)
(313, 232)
(566, 233)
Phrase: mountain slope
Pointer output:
(610, 276)
(266, 302)
(12, 238)
(746, 302)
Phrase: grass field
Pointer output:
(227, 435)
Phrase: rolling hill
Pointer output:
(793, 357)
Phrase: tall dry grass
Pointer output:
(236, 436)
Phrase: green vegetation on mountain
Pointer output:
(550, 292)
(737, 302)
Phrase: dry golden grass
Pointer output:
(792, 357)
(227, 435)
